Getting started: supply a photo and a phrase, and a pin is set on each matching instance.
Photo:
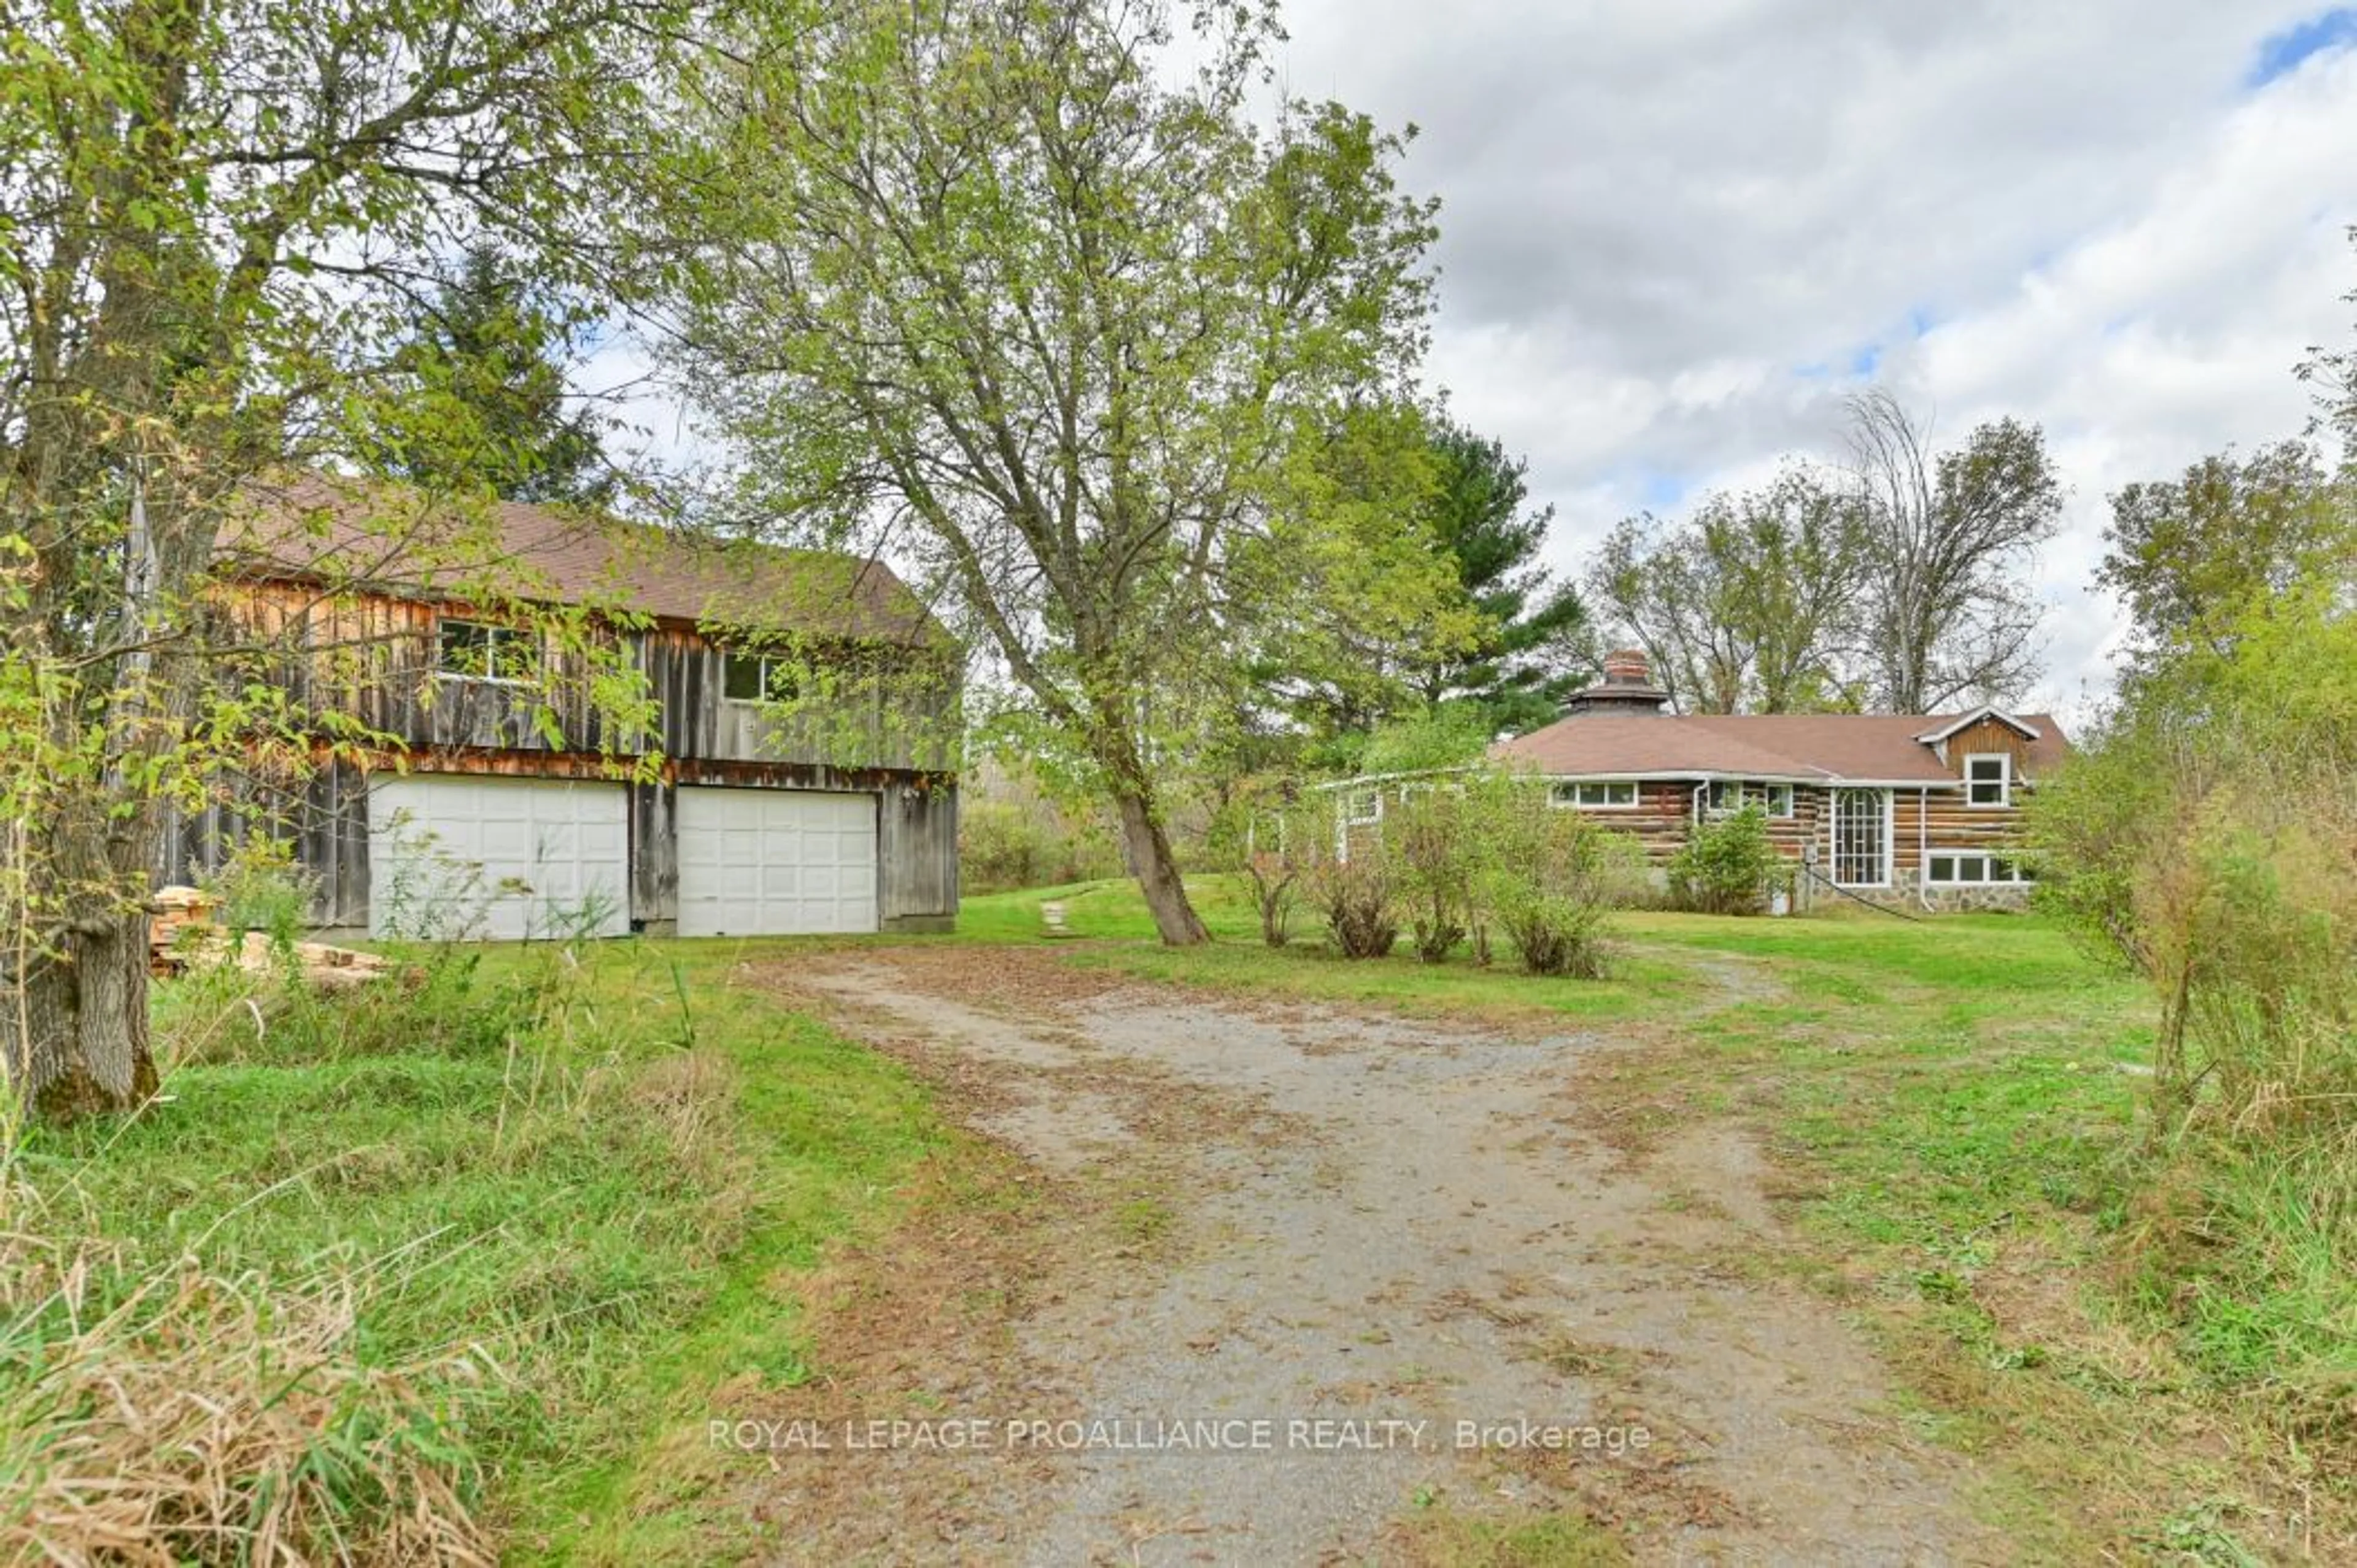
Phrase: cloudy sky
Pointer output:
(1676, 232)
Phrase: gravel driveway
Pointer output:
(1392, 1269)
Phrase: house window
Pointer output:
(1362, 808)
(474, 650)
(1724, 796)
(1862, 838)
(758, 678)
(1973, 868)
(1596, 795)
(1988, 778)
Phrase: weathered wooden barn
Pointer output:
(522, 721)
(1924, 808)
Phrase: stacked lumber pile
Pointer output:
(181, 936)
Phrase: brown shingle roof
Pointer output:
(1803, 747)
(393, 540)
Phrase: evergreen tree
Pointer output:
(497, 351)
(1530, 654)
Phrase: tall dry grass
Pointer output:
(164, 1414)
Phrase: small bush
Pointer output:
(1434, 838)
(1268, 832)
(260, 888)
(1357, 898)
(1728, 866)
(1550, 877)
(1275, 881)
(1003, 846)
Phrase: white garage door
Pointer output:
(460, 857)
(775, 861)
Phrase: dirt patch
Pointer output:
(1384, 1239)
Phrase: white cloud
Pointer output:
(1657, 217)
(1673, 233)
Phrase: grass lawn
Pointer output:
(594, 1188)
(596, 1194)
(1952, 1108)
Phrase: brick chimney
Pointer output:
(1627, 688)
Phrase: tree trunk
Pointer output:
(77, 1042)
(1158, 870)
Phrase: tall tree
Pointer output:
(1369, 593)
(1752, 604)
(1949, 539)
(2188, 555)
(1010, 278)
(212, 222)
(1529, 651)
(2332, 376)
(496, 346)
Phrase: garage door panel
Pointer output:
(463, 855)
(775, 861)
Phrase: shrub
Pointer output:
(1003, 846)
(1276, 878)
(260, 888)
(1357, 898)
(1728, 866)
(1550, 877)
(2206, 837)
(1434, 841)
(1270, 833)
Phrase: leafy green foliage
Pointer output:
(1751, 604)
(1530, 650)
(1065, 318)
(1728, 865)
(2206, 838)
(493, 350)
(1549, 879)
(219, 220)
(1436, 837)
(1005, 844)
(260, 888)
(1449, 736)
(2188, 556)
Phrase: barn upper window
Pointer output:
(758, 678)
(1988, 778)
(475, 651)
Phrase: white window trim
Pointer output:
(2004, 780)
(1636, 794)
(2019, 879)
(1751, 791)
(1889, 837)
(1353, 818)
(494, 631)
(765, 660)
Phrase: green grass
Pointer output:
(1955, 1106)
(1119, 935)
(612, 1219)
(1449, 1540)
(608, 1179)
